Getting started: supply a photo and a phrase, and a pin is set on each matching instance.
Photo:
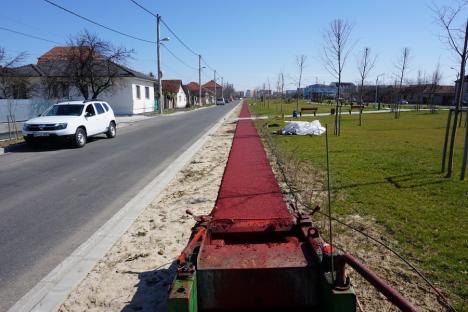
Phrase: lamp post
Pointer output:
(158, 51)
(376, 86)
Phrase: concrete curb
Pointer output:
(53, 289)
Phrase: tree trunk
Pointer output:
(447, 131)
(457, 107)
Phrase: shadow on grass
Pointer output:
(405, 181)
(152, 290)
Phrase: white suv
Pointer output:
(76, 121)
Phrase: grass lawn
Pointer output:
(276, 107)
(390, 170)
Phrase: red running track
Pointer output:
(249, 196)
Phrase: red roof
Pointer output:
(58, 53)
(193, 87)
(211, 85)
(171, 85)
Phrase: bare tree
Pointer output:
(12, 86)
(435, 81)
(365, 65)
(421, 82)
(268, 92)
(94, 64)
(336, 50)
(402, 67)
(300, 61)
(280, 86)
(456, 38)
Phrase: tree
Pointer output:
(421, 82)
(402, 67)
(456, 38)
(93, 65)
(365, 65)
(300, 61)
(12, 85)
(435, 81)
(336, 50)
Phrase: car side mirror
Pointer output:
(87, 114)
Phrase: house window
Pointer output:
(147, 92)
(138, 94)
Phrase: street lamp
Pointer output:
(376, 84)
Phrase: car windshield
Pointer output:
(64, 110)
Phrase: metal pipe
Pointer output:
(391, 294)
(191, 245)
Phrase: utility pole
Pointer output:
(216, 97)
(199, 80)
(222, 87)
(158, 51)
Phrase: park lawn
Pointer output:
(390, 170)
(277, 107)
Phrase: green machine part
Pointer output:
(183, 295)
(334, 300)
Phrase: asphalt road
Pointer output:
(53, 200)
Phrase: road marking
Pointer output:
(53, 289)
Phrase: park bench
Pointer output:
(360, 107)
(308, 109)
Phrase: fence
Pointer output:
(21, 109)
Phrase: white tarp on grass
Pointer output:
(303, 128)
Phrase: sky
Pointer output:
(248, 42)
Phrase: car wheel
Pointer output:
(80, 137)
(111, 131)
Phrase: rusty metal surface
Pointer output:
(391, 294)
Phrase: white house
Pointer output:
(174, 94)
(132, 92)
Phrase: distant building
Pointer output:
(290, 93)
(465, 91)
(319, 92)
(211, 86)
(248, 93)
(347, 89)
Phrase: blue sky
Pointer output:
(246, 41)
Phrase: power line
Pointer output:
(177, 37)
(207, 64)
(99, 24)
(173, 33)
(178, 58)
(28, 35)
(143, 8)
(167, 26)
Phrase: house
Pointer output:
(211, 85)
(174, 94)
(194, 94)
(131, 92)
